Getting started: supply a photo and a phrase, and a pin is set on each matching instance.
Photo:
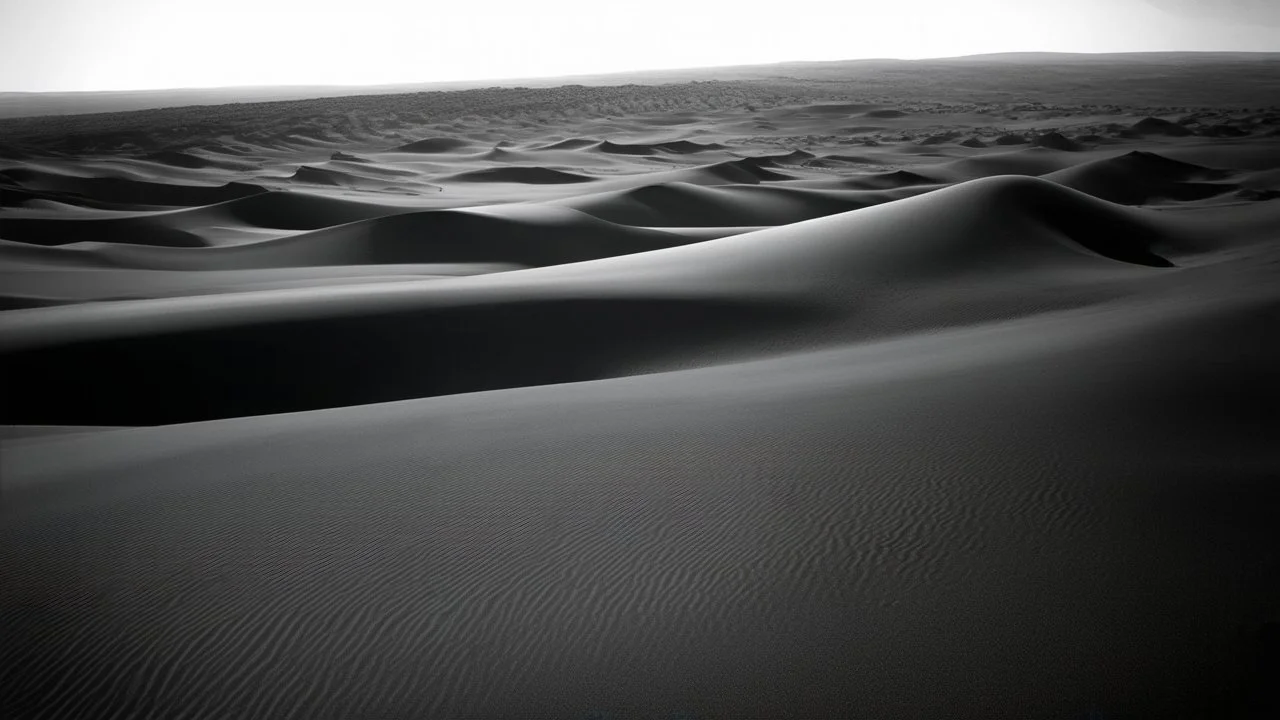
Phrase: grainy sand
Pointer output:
(827, 408)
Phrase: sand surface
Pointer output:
(708, 400)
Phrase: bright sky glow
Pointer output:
(48, 45)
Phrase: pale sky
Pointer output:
(61, 45)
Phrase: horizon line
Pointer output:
(609, 73)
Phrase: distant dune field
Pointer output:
(733, 399)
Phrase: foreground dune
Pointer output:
(705, 424)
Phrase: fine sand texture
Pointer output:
(732, 399)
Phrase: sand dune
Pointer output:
(683, 147)
(288, 211)
(117, 190)
(1004, 225)
(1157, 126)
(310, 175)
(1055, 141)
(178, 158)
(684, 204)
(275, 210)
(528, 175)
(131, 230)
(554, 236)
(614, 148)
(46, 282)
(434, 145)
(1139, 177)
(895, 179)
(347, 157)
(1030, 161)
(721, 400)
(568, 144)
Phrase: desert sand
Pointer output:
(732, 399)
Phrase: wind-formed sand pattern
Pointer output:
(705, 409)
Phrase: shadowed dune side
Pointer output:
(1256, 185)
(121, 190)
(39, 282)
(12, 152)
(368, 178)
(613, 148)
(940, 139)
(1034, 161)
(679, 204)
(338, 361)
(289, 210)
(1156, 126)
(24, 432)
(795, 157)
(674, 147)
(746, 170)
(18, 300)
(885, 181)
(348, 157)
(687, 147)
(1138, 177)
(567, 156)
(182, 228)
(526, 175)
(434, 145)
(1056, 141)
(371, 170)
(19, 255)
(567, 144)
(191, 161)
(548, 237)
(1211, 233)
(331, 177)
(827, 109)
(121, 231)
(885, 113)
(836, 160)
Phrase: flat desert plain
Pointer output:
(943, 391)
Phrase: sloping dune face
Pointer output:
(580, 410)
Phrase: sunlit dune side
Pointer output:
(705, 400)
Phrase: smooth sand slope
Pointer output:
(721, 412)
